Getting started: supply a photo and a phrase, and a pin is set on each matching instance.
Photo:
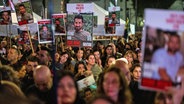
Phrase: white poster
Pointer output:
(80, 8)
(60, 23)
(86, 82)
(5, 16)
(24, 11)
(162, 49)
(44, 35)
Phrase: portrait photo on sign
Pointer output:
(163, 56)
(80, 28)
(59, 22)
(44, 35)
(23, 11)
(25, 31)
(162, 49)
(114, 16)
(5, 16)
(109, 29)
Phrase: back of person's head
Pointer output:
(7, 73)
(10, 88)
(122, 63)
(11, 93)
(43, 78)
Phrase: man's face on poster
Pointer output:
(78, 24)
(57, 22)
(5, 16)
(113, 16)
(174, 44)
(45, 28)
(22, 9)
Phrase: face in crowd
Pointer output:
(114, 85)
(109, 50)
(111, 84)
(67, 89)
(91, 59)
(110, 60)
(31, 65)
(63, 58)
(80, 54)
(13, 55)
(136, 73)
(97, 55)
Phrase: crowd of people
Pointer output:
(49, 77)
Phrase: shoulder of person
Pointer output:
(86, 33)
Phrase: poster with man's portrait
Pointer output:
(79, 29)
(5, 16)
(80, 24)
(24, 11)
(162, 49)
(25, 31)
(60, 23)
(114, 16)
(44, 35)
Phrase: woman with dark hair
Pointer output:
(109, 51)
(79, 56)
(80, 71)
(65, 62)
(114, 85)
(109, 61)
(67, 89)
(92, 66)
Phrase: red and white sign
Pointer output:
(161, 28)
(45, 35)
(113, 9)
(80, 8)
(164, 19)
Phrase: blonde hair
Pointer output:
(10, 88)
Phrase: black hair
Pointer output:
(79, 16)
(77, 65)
(22, 5)
(114, 13)
(134, 66)
(32, 58)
